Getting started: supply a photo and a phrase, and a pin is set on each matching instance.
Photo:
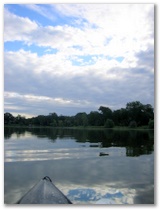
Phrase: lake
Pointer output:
(88, 166)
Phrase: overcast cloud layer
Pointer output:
(70, 58)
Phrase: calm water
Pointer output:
(72, 160)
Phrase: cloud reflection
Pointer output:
(78, 170)
(48, 154)
(59, 153)
(100, 195)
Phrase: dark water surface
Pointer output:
(75, 161)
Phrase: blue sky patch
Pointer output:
(23, 11)
(14, 46)
(119, 59)
(83, 194)
(83, 60)
(109, 58)
(18, 45)
(114, 195)
(43, 14)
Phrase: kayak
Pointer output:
(44, 192)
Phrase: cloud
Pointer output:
(112, 36)
(17, 28)
(42, 10)
(98, 84)
(125, 32)
(100, 56)
(40, 99)
(146, 58)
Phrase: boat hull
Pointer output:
(44, 192)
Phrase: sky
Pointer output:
(70, 58)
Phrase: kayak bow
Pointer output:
(44, 192)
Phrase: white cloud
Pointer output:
(101, 57)
(97, 83)
(42, 10)
(128, 30)
(41, 99)
(17, 28)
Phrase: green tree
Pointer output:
(8, 118)
(109, 123)
(21, 120)
(151, 124)
(148, 114)
(60, 123)
(78, 119)
(52, 119)
(84, 119)
(139, 112)
(133, 124)
(54, 123)
(134, 110)
(41, 120)
(106, 113)
(95, 119)
(120, 117)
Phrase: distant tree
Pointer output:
(69, 121)
(53, 119)
(78, 119)
(53, 123)
(139, 112)
(148, 114)
(20, 120)
(109, 123)
(120, 117)
(84, 119)
(60, 123)
(95, 119)
(133, 124)
(151, 124)
(106, 113)
(41, 120)
(134, 112)
(8, 118)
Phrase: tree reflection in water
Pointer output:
(136, 142)
(71, 159)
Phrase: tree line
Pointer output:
(135, 114)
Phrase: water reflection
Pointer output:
(95, 196)
(136, 142)
(102, 177)
(71, 159)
